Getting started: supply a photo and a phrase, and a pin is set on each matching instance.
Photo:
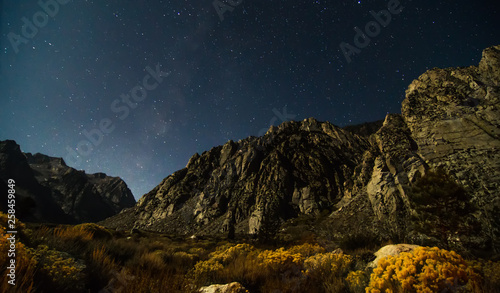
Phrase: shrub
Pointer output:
(357, 281)
(280, 270)
(95, 231)
(441, 208)
(306, 249)
(153, 261)
(25, 265)
(123, 249)
(262, 271)
(490, 271)
(183, 259)
(4, 221)
(136, 280)
(58, 270)
(228, 252)
(280, 260)
(329, 269)
(205, 272)
(197, 251)
(423, 270)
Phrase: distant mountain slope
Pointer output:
(365, 129)
(365, 182)
(50, 191)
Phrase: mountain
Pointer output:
(428, 175)
(47, 190)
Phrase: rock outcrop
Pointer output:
(391, 250)
(254, 184)
(362, 178)
(50, 191)
(234, 287)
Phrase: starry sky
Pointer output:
(135, 88)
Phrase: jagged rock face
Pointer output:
(72, 196)
(454, 118)
(449, 119)
(296, 168)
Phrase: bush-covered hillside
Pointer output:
(91, 258)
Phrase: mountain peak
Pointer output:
(364, 182)
(50, 191)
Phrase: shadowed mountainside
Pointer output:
(49, 191)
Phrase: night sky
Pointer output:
(137, 87)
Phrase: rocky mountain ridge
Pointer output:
(365, 184)
(49, 191)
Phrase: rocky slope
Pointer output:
(363, 180)
(50, 191)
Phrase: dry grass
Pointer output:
(24, 270)
(24, 264)
(100, 267)
(77, 233)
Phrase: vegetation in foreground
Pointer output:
(89, 257)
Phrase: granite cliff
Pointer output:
(49, 191)
(353, 182)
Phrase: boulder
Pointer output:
(233, 287)
(391, 250)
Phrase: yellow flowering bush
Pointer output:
(329, 263)
(357, 281)
(329, 269)
(25, 265)
(423, 270)
(280, 259)
(229, 252)
(198, 251)
(60, 268)
(251, 264)
(4, 218)
(206, 271)
(306, 249)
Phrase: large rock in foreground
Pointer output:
(234, 287)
